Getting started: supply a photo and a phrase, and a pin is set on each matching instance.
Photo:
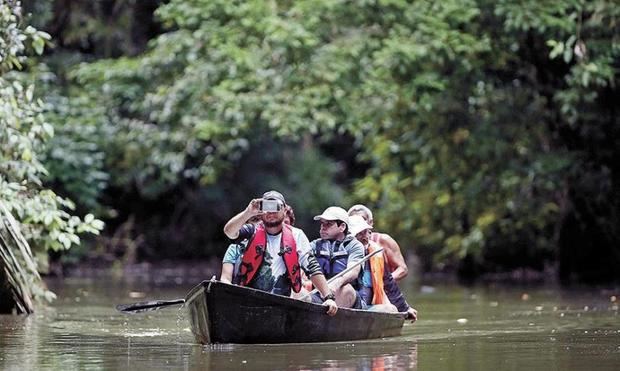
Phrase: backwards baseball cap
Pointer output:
(274, 195)
(334, 213)
(357, 224)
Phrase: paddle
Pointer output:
(146, 306)
(349, 269)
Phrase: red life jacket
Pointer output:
(254, 254)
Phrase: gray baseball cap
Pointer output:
(274, 195)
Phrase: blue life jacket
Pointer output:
(332, 255)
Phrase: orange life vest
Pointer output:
(376, 238)
(377, 269)
(254, 254)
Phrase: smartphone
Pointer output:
(270, 206)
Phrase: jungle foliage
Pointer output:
(31, 213)
(46, 217)
(481, 132)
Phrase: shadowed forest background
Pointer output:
(481, 133)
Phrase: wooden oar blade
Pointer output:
(147, 306)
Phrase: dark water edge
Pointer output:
(487, 326)
(171, 270)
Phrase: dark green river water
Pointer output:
(460, 328)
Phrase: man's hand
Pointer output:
(332, 308)
(253, 208)
(412, 314)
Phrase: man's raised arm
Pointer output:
(231, 229)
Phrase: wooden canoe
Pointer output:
(224, 313)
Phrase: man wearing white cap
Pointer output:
(275, 251)
(376, 286)
(335, 251)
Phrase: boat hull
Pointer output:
(224, 313)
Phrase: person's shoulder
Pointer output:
(246, 231)
(233, 252)
(316, 241)
(354, 243)
(299, 235)
(374, 245)
(298, 232)
(385, 238)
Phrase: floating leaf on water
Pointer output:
(136, 294)
(462, 321)
(539, 308)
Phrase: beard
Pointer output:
(273, 223)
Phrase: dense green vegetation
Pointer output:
(31, 213)
(47, 218)
(482, 133)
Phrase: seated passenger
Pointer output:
(377, 288)
(335, 251)
(233, 255)
(290, 215)
(393, 256)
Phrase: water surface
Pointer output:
(460, 328)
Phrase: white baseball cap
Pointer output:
(334, 213)
(357, 224)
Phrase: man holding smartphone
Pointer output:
(276, 251)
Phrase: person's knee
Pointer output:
(389, 308)
(303, 295)
(345, 296)
(348, 292)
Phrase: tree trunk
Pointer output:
(19, 278)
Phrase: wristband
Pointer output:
(329, 296)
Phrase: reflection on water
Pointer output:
(369, 356)
(483, 328)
